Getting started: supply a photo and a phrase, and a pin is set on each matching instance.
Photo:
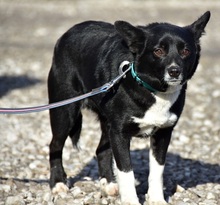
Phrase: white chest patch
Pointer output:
(158, 115)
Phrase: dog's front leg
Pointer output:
(158, 149)
(123, 169)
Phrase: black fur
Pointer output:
(88, 55)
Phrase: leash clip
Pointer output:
(121, 68)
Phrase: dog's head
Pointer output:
(166, 55)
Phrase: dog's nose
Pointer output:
(174, 72)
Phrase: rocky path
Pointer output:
(28, 32)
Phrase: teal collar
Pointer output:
(141, 82)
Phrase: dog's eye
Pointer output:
(159, 52)
(185, 52)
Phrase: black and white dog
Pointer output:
(147, 103)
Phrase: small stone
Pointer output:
(97, 195)
(47, 197)
(198, 115)
(27, 196)
(88, 199)
(179, 188)
(87, 178)
(77, 202)
(200, 193)
(208, 202)
(217, 187)
(60, 201)
(5, 188)
(184, 139)
(211, 195)
(14, 200)
(193, 196)
(104, 201)
(177, 195)
(216, 93)
(76, 191)
(186, 199)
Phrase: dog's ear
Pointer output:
(198, 27)
(133, 36)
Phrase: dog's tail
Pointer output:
(75, 132)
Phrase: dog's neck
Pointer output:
(141, 82)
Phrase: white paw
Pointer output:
(60, 188)
(155, 202)
(109, 189)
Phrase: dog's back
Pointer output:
(79, 51)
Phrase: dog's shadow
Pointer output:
(178, 171)
(8, 83)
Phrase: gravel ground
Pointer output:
(28, 32)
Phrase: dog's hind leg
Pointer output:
(63, 122)
(108, 185)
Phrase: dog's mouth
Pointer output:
(173, 81)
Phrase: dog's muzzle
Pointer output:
(173, 75)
